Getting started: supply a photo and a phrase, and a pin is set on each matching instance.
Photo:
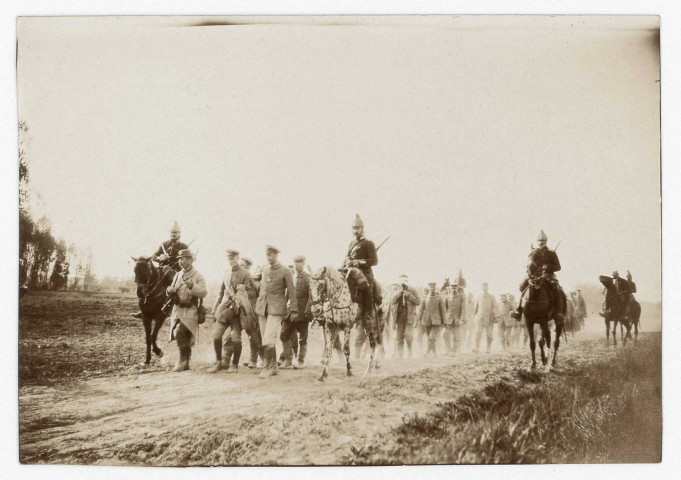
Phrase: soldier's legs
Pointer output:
(184, 341)
(253, 332)
(456, 332)
(269, 342)
(236, 339)
(399, 338)
(433, 335)
(287, 330)
(519, 310)
(478, 335)
(447, 336)
(490, 330)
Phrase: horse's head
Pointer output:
(318, 290)
(144, 272)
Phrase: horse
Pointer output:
(151, 292)
(333, 308)
(615, 311)
(538, 309)
(635, 316)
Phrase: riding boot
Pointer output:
(217, 345)
(269, 360)
(182, 361)
(302, 352)
(518, 313)
(234, 367)
(275, 365)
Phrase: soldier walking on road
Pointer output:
(233, 311)
(276, 286)
(297, 323)
(433, 313)
(486, 314)
(403, 305)
(188, 287)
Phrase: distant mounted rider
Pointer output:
(544, 263)
(167, 256)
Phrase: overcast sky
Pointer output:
(459, 137)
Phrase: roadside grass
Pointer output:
(605, 410)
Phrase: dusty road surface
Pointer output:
(125, 414)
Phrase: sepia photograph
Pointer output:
(339, 240)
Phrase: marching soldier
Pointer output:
(188, 287)
(486, 312)
(506, 324)
(547, 265)
(253, 333)
(276, 285)
(167, 256)
(233, 311)
(299, 322)
(433, 313)
(403, 305)
(456, 318)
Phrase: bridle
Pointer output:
(327, 296)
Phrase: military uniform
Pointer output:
(455, 320)
(301, 321)
(545, 263)
(234, 310)
(172, 248)
(432, 317)
(507, 323)
(485, 312)
(403, 306)
(184, 324)
(275, 288)
(362, 255)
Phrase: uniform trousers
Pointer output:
(270, 326)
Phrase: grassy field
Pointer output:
(592, 410)
(84, 398)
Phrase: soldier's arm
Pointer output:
(220, 296)
(157, 253)
(199, 288)
(554, 264)
(291, 291)
(411, 297)
(443, 310)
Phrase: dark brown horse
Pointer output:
(538, 309)
(616, 310)
(151, 292)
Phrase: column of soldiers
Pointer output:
(272, 304)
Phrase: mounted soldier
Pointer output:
(362, 255)
(543, 263)
(167, 256)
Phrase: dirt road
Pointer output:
(200, 418)
(108, 410)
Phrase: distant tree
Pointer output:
(60, 269)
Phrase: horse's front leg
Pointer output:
(329, 336)
(158, 323)
(346, 347)
(614, 332)
(146, 321)
(533, 344)
(556, 343)
(545, 333)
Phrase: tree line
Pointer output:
(45, 261)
